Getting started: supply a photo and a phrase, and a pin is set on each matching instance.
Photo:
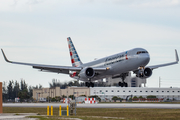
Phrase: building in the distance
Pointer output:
(108, 92)
(123, 92)
(131, 81)
(57, 92)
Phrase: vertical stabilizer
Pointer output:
(75, 60)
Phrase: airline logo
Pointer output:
(126, 56)
(73, 54)
(115, 59)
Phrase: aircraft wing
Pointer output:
(167, 64)
(46, 68)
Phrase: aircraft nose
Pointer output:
(146, 59)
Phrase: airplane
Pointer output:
(117, 65)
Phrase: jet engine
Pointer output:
(144, 73)
(86, 73)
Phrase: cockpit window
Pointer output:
(139, 52)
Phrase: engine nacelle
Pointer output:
(144, 73)
(87, 72)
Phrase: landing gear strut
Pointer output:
(123, 76)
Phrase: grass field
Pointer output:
(104, 113)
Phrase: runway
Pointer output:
(106, 105)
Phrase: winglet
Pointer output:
(177, 58)
(5, 56)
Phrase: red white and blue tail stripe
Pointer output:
(75, 60)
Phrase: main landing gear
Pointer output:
(123, 84)
(123, 76)
(89, 84)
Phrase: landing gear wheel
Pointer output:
(91, 84)
(123, 76)
(119, 83)
(125, 84)
(87, 84)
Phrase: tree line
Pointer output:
(63, 85)
(14, 89)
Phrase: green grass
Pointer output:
(100, 113)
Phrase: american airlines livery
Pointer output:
(117, 65)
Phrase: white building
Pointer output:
(123, 92)
(131, 81)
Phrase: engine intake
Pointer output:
(87, 73)
(144, 73)
(147, 72)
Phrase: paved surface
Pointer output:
(132, 105)
(107, 105)
(20, 116)
(34, 104)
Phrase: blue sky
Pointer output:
(35, 31)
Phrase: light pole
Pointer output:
(75, 99)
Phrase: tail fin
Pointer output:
(75, 60)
